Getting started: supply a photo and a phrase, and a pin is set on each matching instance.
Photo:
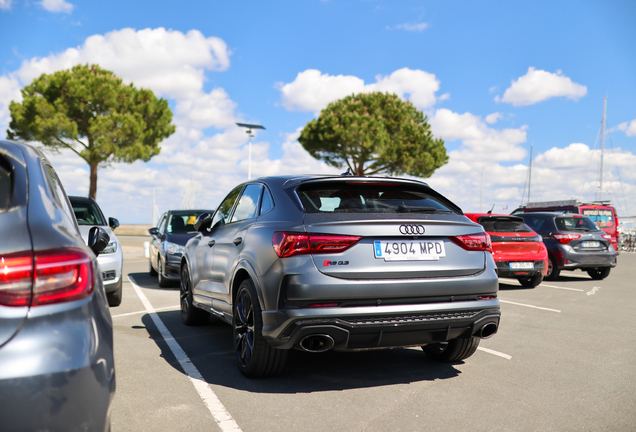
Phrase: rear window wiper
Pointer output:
(418, 209)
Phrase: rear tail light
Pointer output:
(606, 236)
(474, 242)
(566, 238)
(287, 244)
(16, 279)
(56, 276)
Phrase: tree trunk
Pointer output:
(93, 187)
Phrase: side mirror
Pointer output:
(154, 231)
(113, 223)
(203, 222)
(98, 239)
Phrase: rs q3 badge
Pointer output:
(333, 263)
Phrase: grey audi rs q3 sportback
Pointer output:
(340, 262)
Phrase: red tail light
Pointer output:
(606, 236)
(474, 242)
(56, 276)
(566, 238)
(288, 244)
(16, 279)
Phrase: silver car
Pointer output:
(340, 262)
(57, 371)
(111, 259)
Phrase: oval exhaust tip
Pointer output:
(317, 343)
(488, 330)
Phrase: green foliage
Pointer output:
(374, 133)
(90, 111)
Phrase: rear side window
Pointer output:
(576, 224)
(491, 224)
(6, 184)
(346, 197)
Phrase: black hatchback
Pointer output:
(574, 242)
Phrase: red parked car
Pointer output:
(518, 251)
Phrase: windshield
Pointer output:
(182, 223)
(492, 224)
(345, 197)
(87, 212)
(575, 223)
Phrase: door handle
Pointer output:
(237, 241)
(211, 243)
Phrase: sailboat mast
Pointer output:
(530, 174)
(600, 194)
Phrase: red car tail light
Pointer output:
(566, 238)
(51, 276)
(606, 236)
(16, 279)
(474, 242)
(288, 244)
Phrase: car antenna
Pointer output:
(491, 209)
(347, 173)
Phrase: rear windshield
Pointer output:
(182, 223)
(491, 224)
(5, 184)
(602, 217)
(575, 224)
(87, 213)
(345, 197)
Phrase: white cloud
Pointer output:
(415, 27)
(628, 127)
(538, 85)
(5, 4)
(168, 62)
(9, 91)
(313, 91)
(57, 6)
(205, 110)
(493, 118)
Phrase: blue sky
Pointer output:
(494, 78)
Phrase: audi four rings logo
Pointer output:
(411, 229)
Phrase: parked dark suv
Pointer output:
(574, 242)
(56, 337)
(174, 229)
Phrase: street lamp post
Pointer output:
(249, 134)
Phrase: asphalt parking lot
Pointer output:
(563, 360)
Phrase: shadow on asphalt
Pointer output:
(210, 349)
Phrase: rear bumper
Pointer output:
(504, 270)
(569, 259)
(381, 326)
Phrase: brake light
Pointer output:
(16, 279)
(474, 242)
(51, 276)
(290, 244)
(566, 238)
(606, 236)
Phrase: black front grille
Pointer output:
(417, 318)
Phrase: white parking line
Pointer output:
(210, 399)
(493, 352)
(145, 311)
(530, 306)
(564, 288)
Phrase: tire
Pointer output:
(599, 273)
(163, 282)
(531, 281)
(553, 270)
(114, 297)
(151, 270)
(452, 351)
(256, 358)
(190, 314)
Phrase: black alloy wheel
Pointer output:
(452, 351)
(531, 281)
(599, 273)
(553, 269)
(256, 358)
(190, 314)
